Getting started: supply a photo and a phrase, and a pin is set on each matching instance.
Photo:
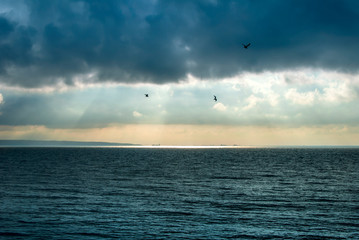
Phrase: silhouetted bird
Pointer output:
(146, 94)
(246, 46)
(215, 98)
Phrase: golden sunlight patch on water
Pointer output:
(184, 147)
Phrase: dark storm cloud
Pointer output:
(162, 41)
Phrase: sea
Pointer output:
(179, 193)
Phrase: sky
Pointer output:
(79, 70)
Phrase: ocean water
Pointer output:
(139, 193)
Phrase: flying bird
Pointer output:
(246, 46)
(146, 94)
(215, 98)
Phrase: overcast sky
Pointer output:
(68, 66)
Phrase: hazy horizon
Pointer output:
(59, 143)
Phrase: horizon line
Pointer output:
(100, 144)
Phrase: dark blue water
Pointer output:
(96, 193)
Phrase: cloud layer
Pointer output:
(267, 99)
(44, 43)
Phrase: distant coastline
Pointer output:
(53, 143)
(40, 143)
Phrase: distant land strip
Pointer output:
(40, 143)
